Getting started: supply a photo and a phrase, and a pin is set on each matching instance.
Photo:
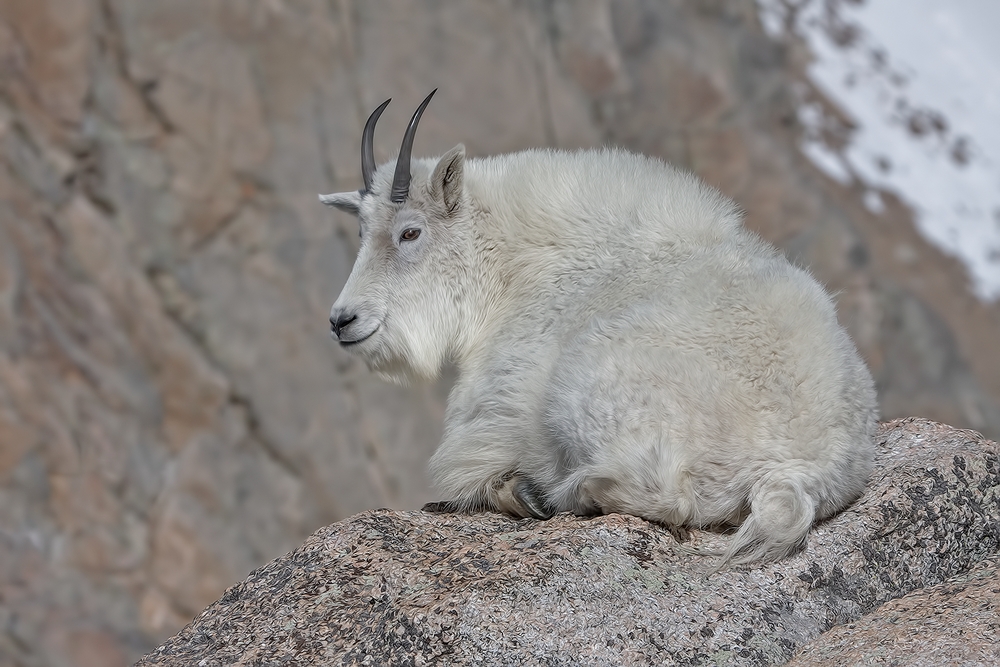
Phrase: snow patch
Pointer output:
(919, 84)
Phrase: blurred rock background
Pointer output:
(172, 410)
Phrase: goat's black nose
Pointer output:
(341, 320)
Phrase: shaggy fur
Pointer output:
(624, 344)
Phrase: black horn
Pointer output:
(368, 146)
(401, 179)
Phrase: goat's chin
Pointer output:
(401, 359)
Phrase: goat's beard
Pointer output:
(406, 360)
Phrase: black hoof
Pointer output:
(530, 498)
(440, 507)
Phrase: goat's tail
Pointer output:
(783, 506)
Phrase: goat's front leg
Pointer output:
(477, 463)
(517, 496)
(509, 493)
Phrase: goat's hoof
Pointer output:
(530, 499)
(440, 507)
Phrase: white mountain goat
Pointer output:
(623, 343)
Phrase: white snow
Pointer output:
(920, 80)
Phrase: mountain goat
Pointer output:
(623, 343)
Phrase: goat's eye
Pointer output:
(409, 234)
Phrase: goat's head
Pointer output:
(400, 309)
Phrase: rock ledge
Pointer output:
(408, 588)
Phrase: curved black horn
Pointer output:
(401, 179)
(368, 146)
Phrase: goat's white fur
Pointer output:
(623, 343)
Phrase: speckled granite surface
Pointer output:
(409, 588)
(953, 623)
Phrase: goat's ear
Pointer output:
(446, 181)
(349, 202)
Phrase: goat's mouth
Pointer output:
(349, 343)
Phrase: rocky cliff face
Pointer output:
(403, 588)
(172, 413)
